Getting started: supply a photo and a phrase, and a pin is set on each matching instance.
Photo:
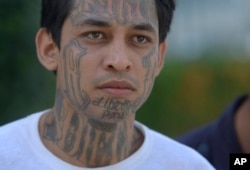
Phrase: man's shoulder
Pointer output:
(17, 132)
(16, 139)
(14, 132)
(168, 145)
(17, 124)
(12, 139)
(167, 150)
(11, 129)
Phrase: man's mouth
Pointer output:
(117, 87)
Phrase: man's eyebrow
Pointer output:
(144, 27)
(94, 22)
(103, 23)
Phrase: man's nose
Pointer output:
(118, 58)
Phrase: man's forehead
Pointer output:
(122, 11)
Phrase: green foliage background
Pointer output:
(190, 93)
(187, 93)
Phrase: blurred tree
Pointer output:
(21, 75)
(191, 93)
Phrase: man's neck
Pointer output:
(242, 125)
(87, 142)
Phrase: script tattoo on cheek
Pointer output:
(72, 54)
(129, 11)
(148, 65)
(113, 108)
(149, 76)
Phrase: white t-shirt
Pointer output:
(22, 149)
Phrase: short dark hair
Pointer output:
(165, 11)
(54, 13)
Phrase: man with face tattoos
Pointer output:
(106, 55)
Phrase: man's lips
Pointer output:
(117, 87)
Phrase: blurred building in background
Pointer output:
(200, 26)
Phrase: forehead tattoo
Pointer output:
(122, 11)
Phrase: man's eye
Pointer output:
(140, 39)
(95, 35)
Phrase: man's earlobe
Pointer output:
(161, 57)
(47, 51)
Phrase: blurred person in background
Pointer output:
(227, 134)
(106, 56)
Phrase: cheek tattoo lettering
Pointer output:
(72, 55)
(149, 63)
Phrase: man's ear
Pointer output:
(47, 51)
(161, 57)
